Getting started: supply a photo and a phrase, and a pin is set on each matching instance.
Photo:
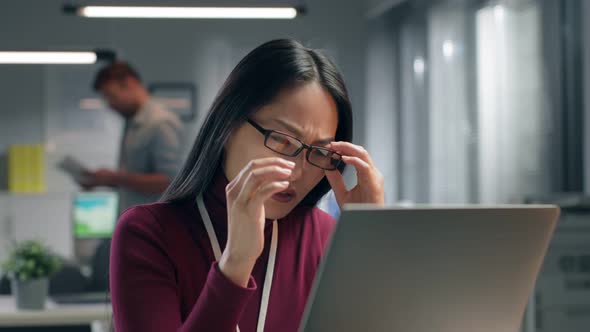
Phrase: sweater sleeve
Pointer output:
(144, 291)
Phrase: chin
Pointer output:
(276, 210)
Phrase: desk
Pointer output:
(55, 317)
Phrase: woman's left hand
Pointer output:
(370, 183)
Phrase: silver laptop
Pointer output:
(467, 269)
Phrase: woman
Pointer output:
(236, 240)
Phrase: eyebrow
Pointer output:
(298, 132)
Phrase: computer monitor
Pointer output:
(94, 214)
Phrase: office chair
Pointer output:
(99, 280)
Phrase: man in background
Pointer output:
(152, 140)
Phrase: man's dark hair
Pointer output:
(116, 71)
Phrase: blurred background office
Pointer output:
(458, 101)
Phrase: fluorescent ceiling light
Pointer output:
(448, 49)
(188, 12)
(17, 57)
(499, 12)
(419, 66)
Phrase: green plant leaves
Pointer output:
(30, 260)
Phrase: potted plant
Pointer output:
(29, 266)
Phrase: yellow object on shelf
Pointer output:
(26, 168)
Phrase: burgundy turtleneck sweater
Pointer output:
(164, 276)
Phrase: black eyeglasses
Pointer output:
(290, 146)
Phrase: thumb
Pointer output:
(338, 186)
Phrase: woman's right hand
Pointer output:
(246, 194)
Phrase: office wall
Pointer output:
(586, 62)
(201, 51)
(382, 108)
(20, 120)
(376, 8)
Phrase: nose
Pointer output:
(301, 164)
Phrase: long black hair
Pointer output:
(254, 83)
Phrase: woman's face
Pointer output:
(307, 112)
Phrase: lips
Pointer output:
(285, 196)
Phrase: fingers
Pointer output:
(369, 188)
(261, 177)
(336, 181)
(267, 190)
(358, 157)
(235, 187)
(349, 149)
(363, 169)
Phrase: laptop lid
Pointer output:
(430, 269)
